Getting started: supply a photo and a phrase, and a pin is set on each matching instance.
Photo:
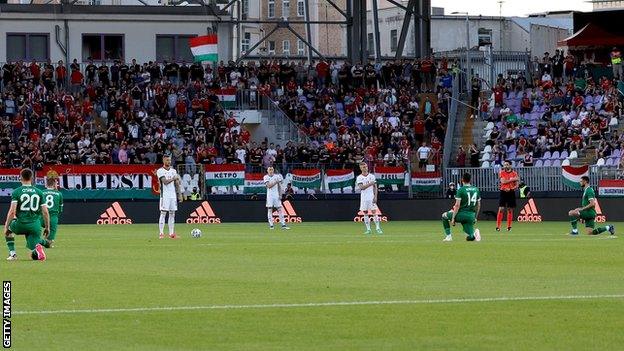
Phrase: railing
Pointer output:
(537, 178)
(450, 125)
(285, 128)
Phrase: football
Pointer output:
(196, 233)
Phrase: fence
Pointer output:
(488, 64)
(544, 179)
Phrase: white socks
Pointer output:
(161, 221)
(367, 221)
(171, 222)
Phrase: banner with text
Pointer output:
(390, 175)
(225, 175)
(426, 181)
(611, 188)
(254, 183)
(306, 178)
(106, 181)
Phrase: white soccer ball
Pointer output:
(196, 233)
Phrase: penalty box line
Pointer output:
(324, 304)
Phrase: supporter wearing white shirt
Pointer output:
(241, 153)
(546, 77)
(576, 123)
(585, 132)
(394, 121)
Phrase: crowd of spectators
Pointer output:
(132, 113)
(551, 120)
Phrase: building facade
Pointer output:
(607, 5)
(105, 33)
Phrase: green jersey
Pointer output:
(588, 195)
(469, 196)
(29, 201)
(53, 200)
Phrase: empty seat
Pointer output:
(547, 163)
(610, 162)
(573, 155)
(486, 156)
(564, 154)
(489, 126)
(539, 163)
(555, 155)
(485, 164)
(601, 162)
(614, 122)
(565, 162)
(547, 155)
(556, 163)
(487, 149)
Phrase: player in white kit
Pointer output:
(273, 183)
(169, 196)
(368, 198)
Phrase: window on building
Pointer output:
(286, 47)
(300, 8)
(271, 9)
(27, 47)
(245, 43)
(271, 47)
(173, 48)
(100, 47)
(285, 8)
(485, 37)
(394, 42)
(300, 48)
(370, 43)
(245, 9)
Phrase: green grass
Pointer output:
(125, 267)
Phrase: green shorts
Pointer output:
(466, 219)
(589, 219)
(53, 226)
(32, 231)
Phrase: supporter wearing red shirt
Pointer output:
(322, 70)
(578, 100)
(180, 108)
(35, 70)
(498, 94)
(245, 136)
(419, 130)
(76, 77)
(61, 74)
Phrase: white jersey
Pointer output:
(167, 191)
(273, 197)
(368, 193)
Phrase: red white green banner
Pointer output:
(339, 178)
(106, 181)
(611, 188)
(306, 178)
(390, 175)
(227, 97)
(572, 175)
(204, 48)
(426, 181)
(254, 183)
(10, 179)
(225, 175)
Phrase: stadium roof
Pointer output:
(111, 9)
(557, 22)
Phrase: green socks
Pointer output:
(10, 243)
(574, 222)
(600, 230)
(447, 226)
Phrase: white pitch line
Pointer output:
(324, 304)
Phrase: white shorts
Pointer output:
(273, 202)
(367, 205)
(168, 204)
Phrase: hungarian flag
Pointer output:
(227, 97)
(572, 175)
(390, 175)
(225, 175)
(306, 178)
(339, 178)
(426, 181)
(254, 183)
(204, 48)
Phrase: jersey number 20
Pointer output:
(30, 202)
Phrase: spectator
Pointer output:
(424, 152)
(451, 191)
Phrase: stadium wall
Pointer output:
(229, 211)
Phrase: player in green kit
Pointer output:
(24, 218)
(587, 212)
(465, 211)
(53, 199)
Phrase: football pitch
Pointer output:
(319, 286)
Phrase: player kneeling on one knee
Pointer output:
(465, 211)
(587, 212)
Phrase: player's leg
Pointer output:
(270, 216)
(511, 205)
(280, 211)
(376, 219)
(161, 223)
(171, 224)
(590, 227)
(33, 241)
(446, 224)
(467, 221)
(574, 218)
(10, 241)
(49, 242)
(499, 217)
(365, 207)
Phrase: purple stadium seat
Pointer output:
(547, 163)
(564, 155)
(539, 163)
(555, 155)
(556, 163)
(547, 155)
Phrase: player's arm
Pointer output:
(10, 216)
(363, 186)
(270, 184)
(591, 204)
(455, 210)
(477, 210)
(46, 220)
(60, 203)
(168, 181)
(375, 192)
